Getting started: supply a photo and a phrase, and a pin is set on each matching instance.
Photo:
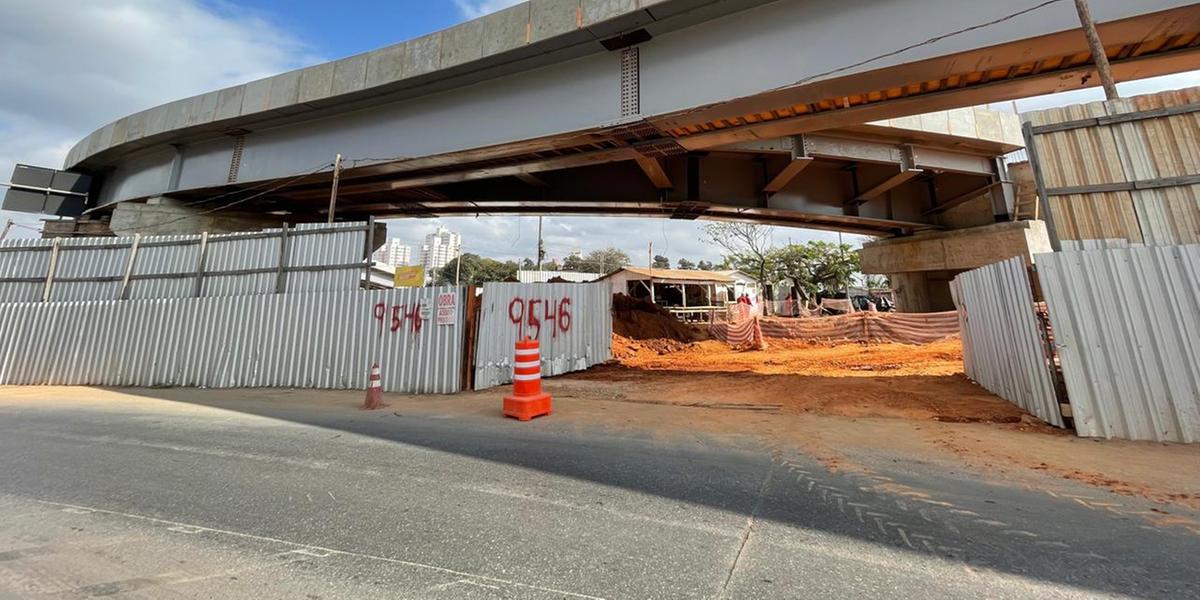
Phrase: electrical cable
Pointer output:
(932, 40)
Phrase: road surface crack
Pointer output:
(758, 504)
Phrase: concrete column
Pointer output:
(921, 266)
(911, 291)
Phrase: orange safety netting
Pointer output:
(876, 327)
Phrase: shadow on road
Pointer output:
(1039, 537)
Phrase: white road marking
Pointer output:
(1019, 532)
(332, 551)
(442, 586)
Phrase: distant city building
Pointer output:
(441, 247)
(394, 253)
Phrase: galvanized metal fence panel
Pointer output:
(316, 257)
(320, 340)
(1003, 348)
(571, 321)
(1127, 325)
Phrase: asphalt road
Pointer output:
(162, 499)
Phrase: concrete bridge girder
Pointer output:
(701, 85)
(656, 125)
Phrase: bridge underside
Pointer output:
(869, 179)
(754, 115)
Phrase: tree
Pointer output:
(705, 265)
(686, 265)
(573, 262)
(749, 247)
(551, 265)
(661, 262)
(528, 264)
(476, 270)
(816, 268)
(604, 260)
(876, 282)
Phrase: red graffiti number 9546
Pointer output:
(528, 314)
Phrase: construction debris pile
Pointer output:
(640, 326)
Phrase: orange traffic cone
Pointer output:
(374, 390)
(527, 400)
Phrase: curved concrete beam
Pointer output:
(532, 33)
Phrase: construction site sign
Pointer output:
(410, 276)
(447, 308)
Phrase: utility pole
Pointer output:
(650, 266)
(1098, 55)
(4, 232)
(541, 250)
(337, 172)
(457, 267)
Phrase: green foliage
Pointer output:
(476, 270)
(604, 260)
(686, 265)
(816, 267)
(573, 263)
(661, 262)
(705, 265)
(876, 282)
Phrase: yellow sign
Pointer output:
(410, 276)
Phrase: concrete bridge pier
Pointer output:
(921, 266)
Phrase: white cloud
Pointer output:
(473, 9)
(69, 67)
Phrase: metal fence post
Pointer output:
(281, 274)
(123, 291)
(1040, 182)
(50, 270)
(370, 252)
(200, 258)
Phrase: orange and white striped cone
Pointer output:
(374, 390)
(527, 400)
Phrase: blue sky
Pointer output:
(134, 54)
(338, 29)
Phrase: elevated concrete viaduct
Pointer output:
(794, 112)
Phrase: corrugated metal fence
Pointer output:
(1127, 325)
(1124, 168)
(1003, 347)
(304, 258)
(572, 321)
(320, 340)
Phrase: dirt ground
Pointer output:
(847, 380)
(896, 398)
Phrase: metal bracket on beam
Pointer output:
(908, 170)
(654, 172)
(800, 161)
(1003, 197)
(961, 198)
